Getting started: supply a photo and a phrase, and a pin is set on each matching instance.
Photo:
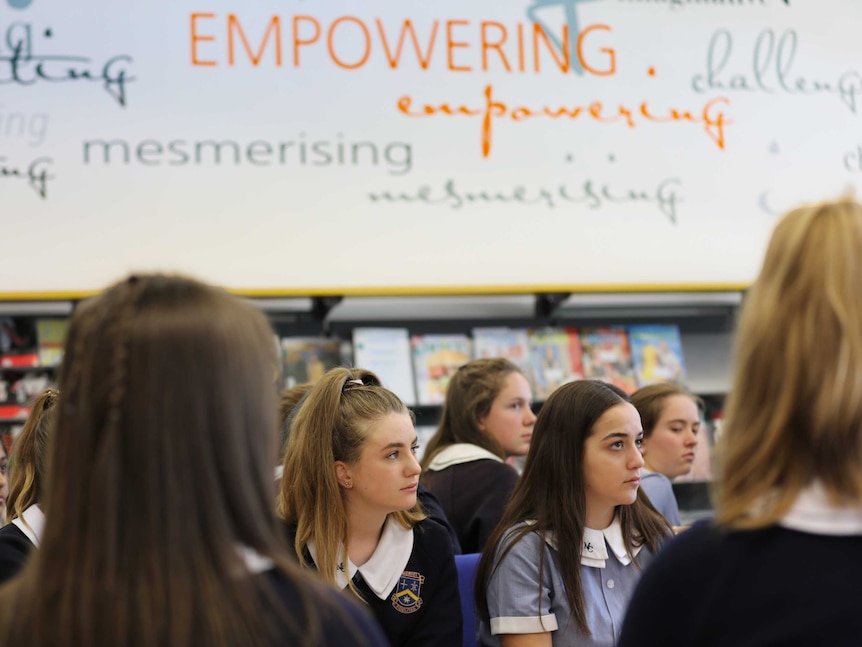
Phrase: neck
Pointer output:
(599, 518)
(363, 531)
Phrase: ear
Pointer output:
(343, 474)
(481, 423)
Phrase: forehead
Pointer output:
(679, 406)
(391, 428)
(515, 385)
(620, 418)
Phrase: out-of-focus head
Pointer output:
(794, 414)
(4, 477)
(167, 417)
(290, 398)
(671, 420)
(487, 404)
(30, 454)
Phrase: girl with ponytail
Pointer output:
(348, 494)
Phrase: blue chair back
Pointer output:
(467, 565)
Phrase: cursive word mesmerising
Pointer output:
(710, 116)
(23, 66)
(594, 195)
(771, 70)
(35, 174)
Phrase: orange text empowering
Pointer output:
(710, 117)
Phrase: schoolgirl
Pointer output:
(486, 420)
(27, 482)
(671, 422)
(563, 562)
(348, 494)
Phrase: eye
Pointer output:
(639, 443)
(414, 449)
(617, 445)
(393, 455)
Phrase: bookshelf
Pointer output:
(705, 320)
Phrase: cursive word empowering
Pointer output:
(771, 70)
(592, 194)
(23, 66)
(35, 174)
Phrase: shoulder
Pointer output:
(341, 621)
(488, 470)
(691, 553)
(521, 540)
(431, 537)
(15, 547)
(11, 536)
(655, 482)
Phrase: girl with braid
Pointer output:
(349, 496)
(158, 523)
(26, 485)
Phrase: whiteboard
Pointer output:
(294, 147)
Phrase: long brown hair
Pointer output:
(551, 494)
(794, 413)
(29, 455)
(469, 397)
(331, 425)
(159, 474)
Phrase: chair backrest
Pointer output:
(467, 566)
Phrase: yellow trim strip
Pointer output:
(425, 290)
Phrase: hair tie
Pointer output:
(349, 383)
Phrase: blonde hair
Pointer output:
(794, 414)
(29, 455)
(332, 425)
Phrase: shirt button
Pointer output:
(610, 584)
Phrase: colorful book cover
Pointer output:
(509, 343)
(657, 354)
(606, 356)
(51, 339)
(306, 359)
(435, 360)
(386, 352)
(555, 357)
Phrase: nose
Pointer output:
(529, 417)
(691, 438)
(636, 459)
(413, 467)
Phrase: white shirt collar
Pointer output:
(812, 512)
(460, 453)
(254, 561)
(594, 552)
(386, 564)
(31, 523)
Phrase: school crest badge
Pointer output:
(406, 598)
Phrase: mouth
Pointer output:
(410, 488)
(689, 457)
(635, 481)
